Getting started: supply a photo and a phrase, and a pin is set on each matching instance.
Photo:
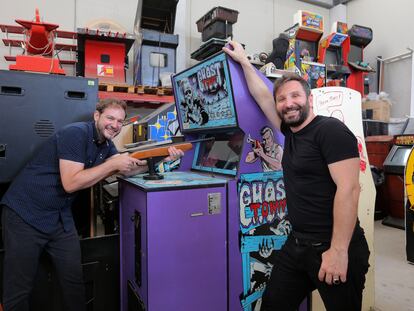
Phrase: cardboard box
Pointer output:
(380, 109)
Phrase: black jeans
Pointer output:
(23, 245)
(295, 275)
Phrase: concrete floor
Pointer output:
(394, 276)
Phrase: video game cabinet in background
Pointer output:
(202, 238)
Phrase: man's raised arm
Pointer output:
(256, 85)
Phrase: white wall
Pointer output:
(257, 25)
(390, 22)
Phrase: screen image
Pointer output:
(355, 54)
(220, 154)
(306, 50)
(204, 97)
(400, 156)
(332, 57)
(362, 32)
(337, 39)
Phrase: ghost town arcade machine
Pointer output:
(302, 53)
(360, 37)
(333, 52)
(199, 238)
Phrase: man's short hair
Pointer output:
(265, 129)
(291, 77)
(109, 102)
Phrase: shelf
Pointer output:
(139, 98)
(20, 30)
(10, 58)
(58, 46)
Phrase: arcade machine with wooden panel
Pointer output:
(394, 166)
(409, 207)
(333, 52)
(302, 53)
(195, 240)
(360, 37)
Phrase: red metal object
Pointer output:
(37, 64)
(20, 30)
(63, 62)
(356, 81)
(105, 60)
(102, 54)
(39, 45)
(58, 46)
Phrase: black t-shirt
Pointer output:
(310, 190)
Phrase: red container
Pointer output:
(218, 13)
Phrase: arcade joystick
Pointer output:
(152, 174)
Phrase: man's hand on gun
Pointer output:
(128, 166)
(174, 154)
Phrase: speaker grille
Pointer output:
(44, 128)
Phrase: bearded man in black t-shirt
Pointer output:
(327, 249)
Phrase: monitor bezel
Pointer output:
(177, 97)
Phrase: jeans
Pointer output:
(23, 245)
(295, 275)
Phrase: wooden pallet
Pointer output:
(121, 88)
(161, 91)
(140, 89)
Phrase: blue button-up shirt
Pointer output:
(37, 193)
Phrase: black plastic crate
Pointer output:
(218, 29)
(218, 13)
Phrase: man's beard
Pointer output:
(100, 129)
(303, 114)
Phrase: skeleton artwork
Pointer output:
(192, 105)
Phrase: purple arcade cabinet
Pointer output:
(203, 238)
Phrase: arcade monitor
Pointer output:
(205, 108)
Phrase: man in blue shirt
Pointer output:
(37, 212)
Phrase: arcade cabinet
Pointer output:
(32, 107)
(333, 52)
(394, 166)
(360, 37)
(409, 207)
(302, 53)
(103, 54)
(195, 239)
(157, 57)
(156, 44)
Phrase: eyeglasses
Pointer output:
(188, 92)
